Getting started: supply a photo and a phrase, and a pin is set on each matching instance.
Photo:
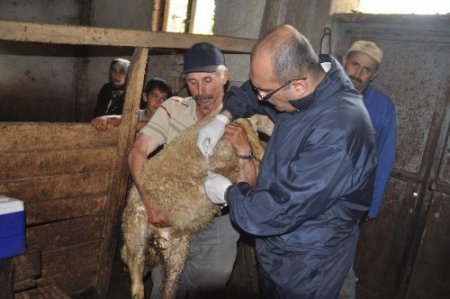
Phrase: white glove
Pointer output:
(215, 187)
(209, 134)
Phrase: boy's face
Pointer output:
(154, 98)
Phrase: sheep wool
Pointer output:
(175, 178)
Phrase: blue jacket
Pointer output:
(383, 116)
(314, 185)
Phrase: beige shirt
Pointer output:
(171, 118)
(176, 114)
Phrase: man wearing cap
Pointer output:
(362, 64)
(213, 251)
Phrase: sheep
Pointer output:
(174, 178)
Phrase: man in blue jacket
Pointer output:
(316, 178)
(362, 65)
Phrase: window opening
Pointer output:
(193, 16)
(404, 7)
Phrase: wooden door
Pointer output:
(404, 252)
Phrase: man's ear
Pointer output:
(301, 86)
(226, 75)
(144, 97)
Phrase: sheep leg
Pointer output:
(174, 259)
(134, 227)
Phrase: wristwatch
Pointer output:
(249, 156)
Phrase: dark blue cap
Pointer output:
(202, 57)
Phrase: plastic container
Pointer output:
(12, 227)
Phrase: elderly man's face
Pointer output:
(206, 88)
(361, 68)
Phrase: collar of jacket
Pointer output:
(334, 80)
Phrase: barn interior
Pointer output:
(54, 57)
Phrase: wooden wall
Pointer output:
(63, 173)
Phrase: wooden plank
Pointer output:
(83, 35)
(40, 189)
(74, 268)
(60, 209)
(6, 278)
(67, 233)
(46, 163)
(391, 228)
(25, 285)
(79, 284)
(18, 137)
(45, 292)
(71, 260)
(28, 265)
(119, 188)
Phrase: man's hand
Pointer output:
(209, 134)
(155, 217)
(215, 187)
(235, 133)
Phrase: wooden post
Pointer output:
(118, 190)
(156, 16)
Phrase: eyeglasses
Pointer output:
(271, 93)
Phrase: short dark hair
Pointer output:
(295, 58)
(159, 83)
(292, 54)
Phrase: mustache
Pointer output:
(204, 96)
(355, 79)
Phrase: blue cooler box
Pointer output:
(12, 227)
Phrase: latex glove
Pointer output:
(210, 134)
(215, 187)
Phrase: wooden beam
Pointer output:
(274, 14)
(118, 188)
(98, 36)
